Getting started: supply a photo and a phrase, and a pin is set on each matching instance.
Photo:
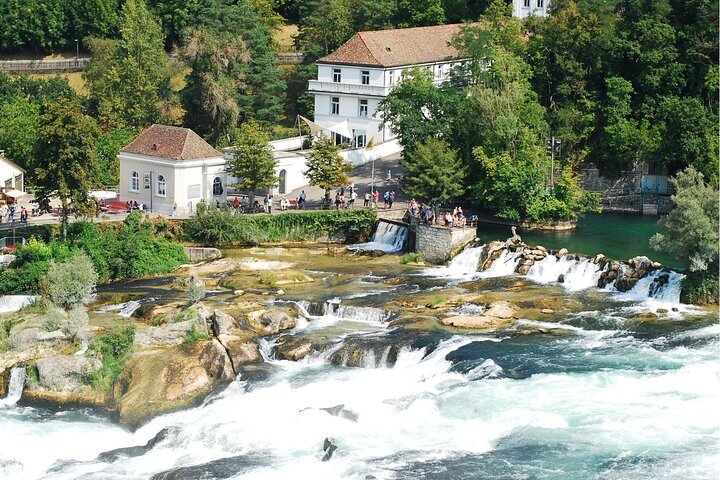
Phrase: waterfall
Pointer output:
(388, 237)
(504, 265)
(465, 263)
(125, 309)
(577, 274)
(351, 312)
(661, 285)
(15, 388)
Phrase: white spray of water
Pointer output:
(13, 303)
(15, 387)
(504, 265)
(465, 264)
(125, 309)
(577, 274)
(389, 237)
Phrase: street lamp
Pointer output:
(77, 49)
(553, 146)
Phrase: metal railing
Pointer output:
(33, 66)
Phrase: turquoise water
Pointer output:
(616, 236)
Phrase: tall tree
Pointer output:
(130, 79)
(218, 61)
(325, 167)
(253, 162)
(106, 153)
(434, 173)
(64, 164)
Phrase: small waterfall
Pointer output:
(15, 388)
(467, 261)
(662, 285)
(125, 309)
(388, 237)
(351, 312)
(13, 303)
(504, 265)
(577, 274)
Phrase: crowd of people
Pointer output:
(9, 213)
(454, 219)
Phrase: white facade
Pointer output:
(353, 93)
(525, 8)
(162, 183)
(10, 174)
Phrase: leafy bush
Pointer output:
(194, 335)
(268, 278)
(68, 282)
(701, 288)
(411, 257)
(212, 226)
(113, 349)
(53, 320)
(196, 289)
(76, 322)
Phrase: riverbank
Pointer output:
(353, 348)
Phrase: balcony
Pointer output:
(348, 88)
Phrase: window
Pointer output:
(337, 77)
(540, 3)
(134, 182)
(365, 77)
(335, 105)
(359, 138)
(391, 76)
(160, 191)
(526, 3)
(363, 108)
(217, 186)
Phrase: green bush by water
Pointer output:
(701, 288)
(411, 257)
(213, 226)
(113, 349)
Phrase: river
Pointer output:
(595, 391)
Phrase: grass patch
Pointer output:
(436, 301)
(194, 335)
(269, 279)
(113, 349)
(33, 374)
(411, 257)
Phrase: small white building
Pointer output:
(171, 169)
(11, 176)
(525, 8)
(354, 79)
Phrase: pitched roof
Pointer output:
(171, 142)
(401, 46)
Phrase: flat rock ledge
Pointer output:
(497, 315)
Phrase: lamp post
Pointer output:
(553, 146)
(77, 50)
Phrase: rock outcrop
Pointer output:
(496, 315)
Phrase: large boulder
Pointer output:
(221, 323)
(242, 350)
(65, 373)
(641, 263)
(216, 362)
(270, 322)
(37, 338)
(497, 315)
(295, 349)
(168, 334)
(625, 283)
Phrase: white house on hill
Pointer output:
(354, 79)
(169, 168)
(11, 176)
(525, 8)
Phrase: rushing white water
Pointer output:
(577, 274)
(504, 265)
(15, 387)
(389, 237)
(13, 303)
(125, 309)
(465, 264)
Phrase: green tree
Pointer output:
(18, 130)
(434, 173)
(325, 167)
(106, 153)
(69, 281)
(32, 24)
(324, 26)
(64, 163)
(690, 230)
(218, 61)
(130, 79)
(253, 161)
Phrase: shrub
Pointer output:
(113, 349)
(196, 289)
(194, 335)
(76, 322)
(68, 282)
(53, 320)
(411, 257)
(267, 278)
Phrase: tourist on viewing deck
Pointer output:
(266, 201)
(353, 197)
(284, 203)
(413, 207)
(236, 203)
(301, 201)
(366, 199)
(386, 197)
(448, 220)
(376, 197)
(23, 215)
(392, 198)
(338, 200)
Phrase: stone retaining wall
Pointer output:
(439, 244)
(199, 254)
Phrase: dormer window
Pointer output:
(337, 76)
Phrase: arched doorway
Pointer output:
(283, 178)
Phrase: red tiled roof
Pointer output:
(171, 142)
(401, 46)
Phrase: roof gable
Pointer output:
(175, 143)
(401, 46)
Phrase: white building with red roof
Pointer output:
(170, 170)
(354, 79)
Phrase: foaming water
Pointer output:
(15, 387)
(574, 274)
(389, 237)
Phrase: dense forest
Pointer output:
(619, 81)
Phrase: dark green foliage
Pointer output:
(701, 288)
(194, 335)
(411, 257)
(113, 349)
(434, 172)
(212, 226)
(134, 250)
(106, 152)
(325, 167)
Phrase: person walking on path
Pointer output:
(366, 200)
(269, 204)
(392, 198)
(376, 197)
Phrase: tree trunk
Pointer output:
(63, 215)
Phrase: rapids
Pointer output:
(600, 395)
